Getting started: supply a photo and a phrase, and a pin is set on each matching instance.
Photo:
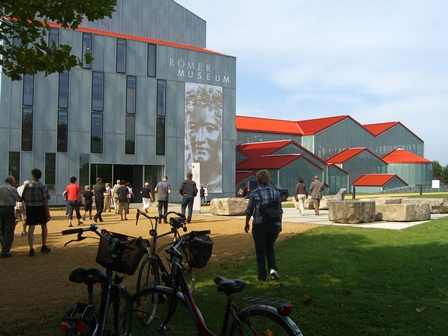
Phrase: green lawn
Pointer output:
(351, 281)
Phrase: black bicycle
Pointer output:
(119, 254)
(154, 265)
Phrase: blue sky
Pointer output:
(377, 61)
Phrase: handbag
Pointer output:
(270, 211)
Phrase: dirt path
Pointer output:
(34, 290)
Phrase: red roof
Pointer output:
(241, 175)
(376, 180)
(271, 162)
(313, 126)
(377, 129)
(348, 154)
(403, 156)
(262, 148)
(264, 125)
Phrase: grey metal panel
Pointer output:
(126, 17)
(144, 19)
(162, 61)
(200, 68)
(141, 114)
(150, 109)
(180, 25)
(15, 139)
(75, 112)
(172, 14)
(136, 23)
(108, 145)
(141, 63)
(181, 66)
(39, 146)
(51, 102)
(217, 70)
(163, 20)
(109, 50)
(28, 162)
(72, 154)
(188, 28)
(208, 71)
(50, 141)
(98, 52)
(62, 165)
(173, 63)
(154, 20)
(131, 57)
(39, 108)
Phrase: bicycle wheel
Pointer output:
(119, 313)
(263, 320)
(162, 311)
(148, 275)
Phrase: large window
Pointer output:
(86, 49)
(53, 37)
(160, 136)
(130, 134)
(62, 131)
(14, 166)
(50, 171)
(152, 49)
(27, 129)
(97, 91)
(161, 98)
(63, 90)
(28, 90)
(96, 141)
(130, 94)
(161, 113)
(121, 55)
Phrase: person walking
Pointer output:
(264, 234)
(188, 192)
(130, 196)
(107, 195)
(146, 196)
(115, 196)
(98, 191)
(122, 193)
(36, 197)
(88, 202)
(21, 209)
(8, 198)
(163, 190)
(301, 195)
(73, 199)
(316, 188)
(202, 195)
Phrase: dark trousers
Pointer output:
(187, 201)
(73, 205)
(7, 226)
(99, 203)
(264, 236)
(163, 205)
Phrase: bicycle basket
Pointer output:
(126, 257)
(199, 251)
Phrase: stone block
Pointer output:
(437, 205)
(403, 212)
(235, 206)
(383, 200)
(352, 212)
(309, 204)
(324, 202)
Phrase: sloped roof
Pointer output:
(348, 154)
(254, 124)
(402, 156)
(376, 180)
(313, 126)
(332, 165)
(440, 179)
(271, 162)
(380, 128)
(262, 148)
(241, 175)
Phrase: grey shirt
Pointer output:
(163, 189)
(8, 195)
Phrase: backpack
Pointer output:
(270, 211)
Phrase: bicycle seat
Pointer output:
(81, 275)
(229, 286)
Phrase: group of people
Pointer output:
(301, 194)
(27, 203)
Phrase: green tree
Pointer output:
(24, 26)
(444, 174)
(437, 168)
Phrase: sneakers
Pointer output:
(274, 275)
(45, 249)
(31, 253)
(24, 233)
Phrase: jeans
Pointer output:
(265, 235)
(7, 227)
(163, 205)
(187, 200)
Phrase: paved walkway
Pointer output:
(291, 215)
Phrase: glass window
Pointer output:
(131, 83)
(130, 134)
(50, 170)
(121, 55)
(152, 52)
(97, 91)
(86, 49)
(62, 131)
(53, 37)
(63, 90)
(96, 142)
(28, 90)
(160, 136)
(14, 166)
(27, 129)
(161, 94)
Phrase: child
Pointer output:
(88, 201)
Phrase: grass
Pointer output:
(351, 281)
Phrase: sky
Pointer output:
(377, 61)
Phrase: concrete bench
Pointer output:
(235, 206)
(351, 212)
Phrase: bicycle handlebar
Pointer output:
(140, 212)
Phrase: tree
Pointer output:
(437, 168)
(24, 24)
(444, 174)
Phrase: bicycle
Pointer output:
(117, 253)
(153, 266)
(171, 310)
